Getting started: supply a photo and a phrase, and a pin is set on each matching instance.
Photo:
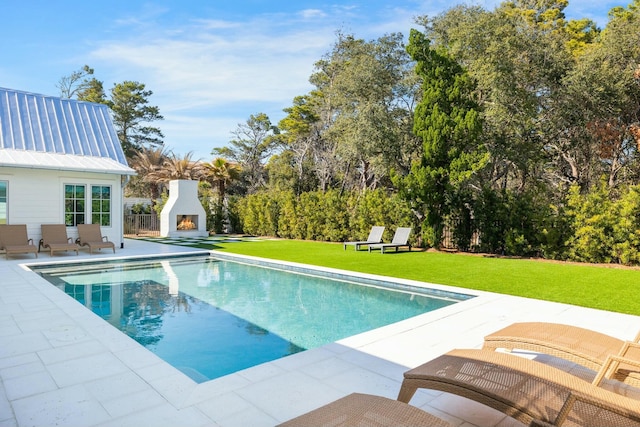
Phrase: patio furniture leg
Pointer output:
(407, 390)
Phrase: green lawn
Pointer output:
(613, 289)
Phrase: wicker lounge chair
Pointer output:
(400, 239)
(375, 236)
(14, 240)
(91, 236)
(524, 389)
(578, 345)
(54, 238)
(366, 410)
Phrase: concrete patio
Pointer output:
(62, 365)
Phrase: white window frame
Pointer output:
(5, 220)
(75, 212)
(92, 213)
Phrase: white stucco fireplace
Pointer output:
(183, 214)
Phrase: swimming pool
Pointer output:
(210, 317)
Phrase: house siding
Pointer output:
(37, 197)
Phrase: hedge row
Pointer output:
(596, 227)
(328, 216)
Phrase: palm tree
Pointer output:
(220, 173)
(148, 163)
(175, 167)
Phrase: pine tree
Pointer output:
(449, 123)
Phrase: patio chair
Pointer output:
(90, 235)
(366, 410)
(584, 347)
(14, 240)
(54, 237)
(375, 236)
(523, 389)
(400, 239)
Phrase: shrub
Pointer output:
(626, 230)
(140, 208)
(233, 212)
(515, 223)
(592, 218)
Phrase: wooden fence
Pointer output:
(141, 225)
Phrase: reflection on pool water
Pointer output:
(210, 317)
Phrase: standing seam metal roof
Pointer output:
(47, 124)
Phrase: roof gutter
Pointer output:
(125, 172)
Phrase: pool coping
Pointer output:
(345, 275)
(430, 289)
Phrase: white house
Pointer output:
(60, 163)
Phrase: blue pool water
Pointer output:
(210, 317)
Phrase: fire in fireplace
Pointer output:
(187, 222)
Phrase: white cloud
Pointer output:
(215, 24)
(217, 73)
(312, 13)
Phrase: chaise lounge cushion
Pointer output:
(400, 239)
(375, 236)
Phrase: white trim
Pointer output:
(6, 201)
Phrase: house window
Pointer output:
(101, 205)
(3, 201)
(74, 204)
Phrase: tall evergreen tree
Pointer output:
(131, 115)
(448, 121)
(93, 91)
(129, 103)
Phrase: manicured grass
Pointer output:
(605, 288)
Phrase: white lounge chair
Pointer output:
(375, 236)
(400, 239)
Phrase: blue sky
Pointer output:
(210, 64)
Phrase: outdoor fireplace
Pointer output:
(183, 214)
